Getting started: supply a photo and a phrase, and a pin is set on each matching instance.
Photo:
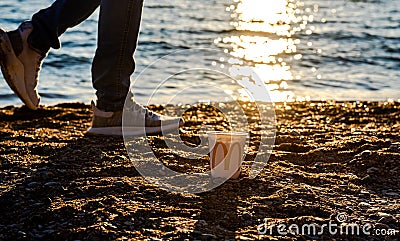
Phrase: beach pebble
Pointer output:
(366, 153)
(372, 170)
(48, 231)
(352, 161)
(99, 205)
(38, 204)
(11, 150)
(121, 157)
(294, 133)
(33, 184)
(395, 146)
(388, 162)
(202, 222)
(44, 173)
(127, 223)
(52, 184)
(208, 236)
(21, 233)
(244, 238)
(393, 194)
(382, 214)
(364, 204)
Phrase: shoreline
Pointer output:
(329, 157)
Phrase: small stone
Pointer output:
(382, 214)
(364, 204)
(352, 161)
(372, 170)
(294, 133)
(366, 153)
(373, 210)
(202, 222)
(33, 184)
(119, 183)
(48, 231)
(244, 238)
(395, 146)
(52, 184)
(43, 173)
(121, 157)
(207, 235)
(393, 194)
(38, 204)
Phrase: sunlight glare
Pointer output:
(264, 42)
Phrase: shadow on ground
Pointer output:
(329, 158)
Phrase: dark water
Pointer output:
(342, 49)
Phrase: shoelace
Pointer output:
(139, 108)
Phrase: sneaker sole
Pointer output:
(13, 72)
(130, 131)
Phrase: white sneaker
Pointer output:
(21, 64)
(32, 60)
(137, 119)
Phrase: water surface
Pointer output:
(343, 50)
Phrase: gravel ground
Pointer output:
(332, 162)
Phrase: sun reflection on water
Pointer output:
(264, 41)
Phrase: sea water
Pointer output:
(299, 50)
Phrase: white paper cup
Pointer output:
(226, 153)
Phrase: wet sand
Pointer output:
(328, 158)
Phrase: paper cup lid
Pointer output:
(227, 136)
(227, 133)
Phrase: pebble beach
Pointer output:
(332, 162)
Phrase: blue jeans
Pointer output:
(113, 63)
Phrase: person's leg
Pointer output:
(50, 23)
(113, 63)
(112, 68)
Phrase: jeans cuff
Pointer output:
(110, 107)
